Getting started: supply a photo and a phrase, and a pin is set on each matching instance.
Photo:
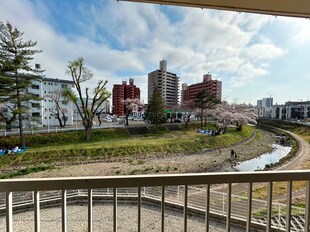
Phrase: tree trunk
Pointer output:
(88, 133)
(127, 115)
(8, 125)
(59, 120)
(21, 130)
(88, 125)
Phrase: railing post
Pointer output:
(178, 194)
(269, 207)
(64, 210)
(307, 209)
(9, 212)
(223, 204)
(162, 208)
(279, 215)
(249, 208)
(228, 210)
(36, 211)
(139, 209)
(288, 206)
(114, 209)
(185, 207)
(90, 210)
(207, 208)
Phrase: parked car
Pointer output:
(138, 119)
(107, 120)
(177, 120)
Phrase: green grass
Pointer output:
(111, 145)
(24, 171)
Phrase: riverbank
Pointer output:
(199, 162)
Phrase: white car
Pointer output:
(107, 120)
(138, 119)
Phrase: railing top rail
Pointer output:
(11, 185)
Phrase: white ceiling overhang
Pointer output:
(294, 8)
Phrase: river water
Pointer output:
(261, 161)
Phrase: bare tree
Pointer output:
(188, 108)
(60, 110)
(87, 106)
(173, 111)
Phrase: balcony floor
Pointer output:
(103, 219)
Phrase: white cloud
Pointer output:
(245, 73)
(132, 38)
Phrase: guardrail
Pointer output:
(57, 130)
(180, 190)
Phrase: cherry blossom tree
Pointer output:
(227, 114)
(132, 105)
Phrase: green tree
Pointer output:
(203, 102)
(87, 106)
(155, 109)
(16, 75)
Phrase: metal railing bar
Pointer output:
(114, 209)
(228, 209)
(307, 210)
(64, 210)
(185, 207)
(36, 211)
(13, 185)
(269, 206)
(90, 210)
(249, 207)
(9, 212)
(139, 209)
(207, 208)
(163, 208)
(288, 206)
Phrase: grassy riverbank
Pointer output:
(117, 145)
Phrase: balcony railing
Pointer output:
(200, 194)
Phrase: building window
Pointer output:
(35, 105)
(35, 86)
(36, 114)
(64, 86)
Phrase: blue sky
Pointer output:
(255, 56)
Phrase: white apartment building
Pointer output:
(166, 82)
(292, 111)
(44, 110)
(264, 107)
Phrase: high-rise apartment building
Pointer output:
(213, 87)
(166, 82)
(120, 93)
